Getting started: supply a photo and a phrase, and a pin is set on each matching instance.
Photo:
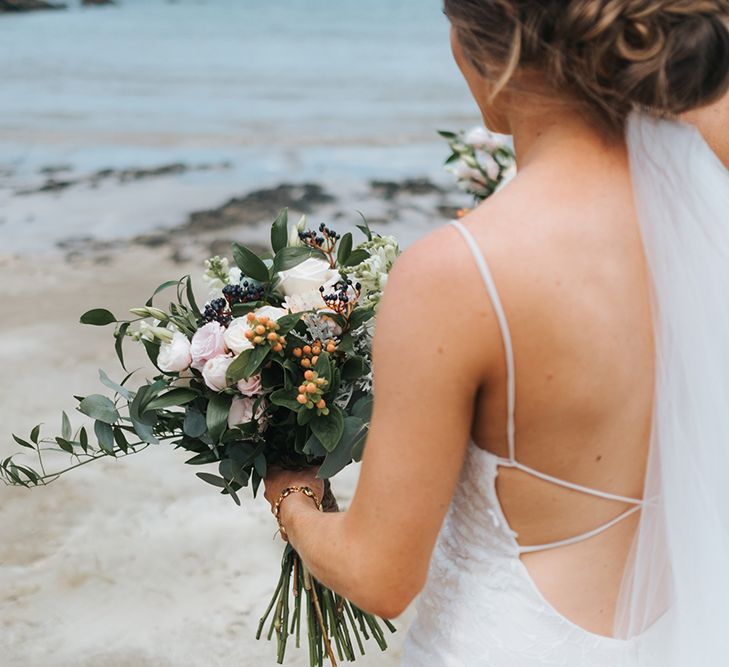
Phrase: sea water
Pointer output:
(335, 92)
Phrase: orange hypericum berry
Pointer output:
(249, 334)
(309, 375)
(314, 360)
(277, 347)
(258, 340)
(297, 352)
(307, 349)
(263, 319)
(321, 381)
(306, 363)
(331, 347)
(321, 404)
(301, 398)
(250, 317)
(316, 349)
(311, 388)
(302, 388)
(260, 330)
(272, 336)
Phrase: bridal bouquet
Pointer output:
(481, 161)
(274, 369)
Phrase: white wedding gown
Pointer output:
(480, 607)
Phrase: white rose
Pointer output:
(482, 138)
(175, 356)
(294, 240)
(310, 275)
(311, 300)
(235, 335)
(234, 276)
(465, 173)
(241, 412)
(214, 372)
(271, 312)
(251, 387)
(207, 343)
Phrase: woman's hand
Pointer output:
(278, 479)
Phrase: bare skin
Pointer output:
(564, 247)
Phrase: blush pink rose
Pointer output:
(251, 387)
(241, 412)
(207, 343)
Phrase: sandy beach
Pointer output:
(135, 562)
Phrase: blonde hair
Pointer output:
(664, 56)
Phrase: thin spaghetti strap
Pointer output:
(505, 334)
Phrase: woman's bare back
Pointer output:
(565, 250)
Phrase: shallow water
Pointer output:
(295, 90)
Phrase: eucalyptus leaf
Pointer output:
(194, 424)
(355, 431)
(35, 433)
(121, 440)
(105, 435)
(161, 288)
(217, 415)
(363, 408)
(119, 389)
(208, 456)
(212, 479)
(314, 447)
(175, 397)
(260, 465)
(98, 317)
(65, 426)
(99, 407)
(120, 335)
(191, 296)
(249, 263)
(22, 443)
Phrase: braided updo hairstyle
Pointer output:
(664, 56)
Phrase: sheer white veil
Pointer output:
(677, 577)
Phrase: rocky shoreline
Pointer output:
(15, 6)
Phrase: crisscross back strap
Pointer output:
(505, 334)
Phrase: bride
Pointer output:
(549, 448)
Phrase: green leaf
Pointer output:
(280, 231)
(105, 436)
(354, 368)
(304, 416)
(217, 416)
(194, 425)
(260, 465)
(285, 398)
(323, 366)
(448, 135)
(329, 428)
(152, 348)
(65, 426)
(98, 317)
(35, 433)
(205, 457)
(120, 335)
(314, 448)
(161, 288)
(359, 316)
(288, 322)
(121, 440)
(122, 391)
(247, 363)
(365, 226)
(249, 263)
(288, 258)
(83, 438)
(191, 296)
(143, 422)
(212, 479)
(99, 407)
(363, 408)
(344, 249)
(174, 397)
(22, 443)
(355, 431)
(356, 257)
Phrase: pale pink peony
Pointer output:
(214, 372)
(207, 343)
(175, 356)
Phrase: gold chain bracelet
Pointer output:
(276, 509)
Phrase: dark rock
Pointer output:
(93, 3)
(260, 206)
(7, 6)
(411, 186)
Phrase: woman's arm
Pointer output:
(428, 362)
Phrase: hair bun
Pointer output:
(667, 56)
